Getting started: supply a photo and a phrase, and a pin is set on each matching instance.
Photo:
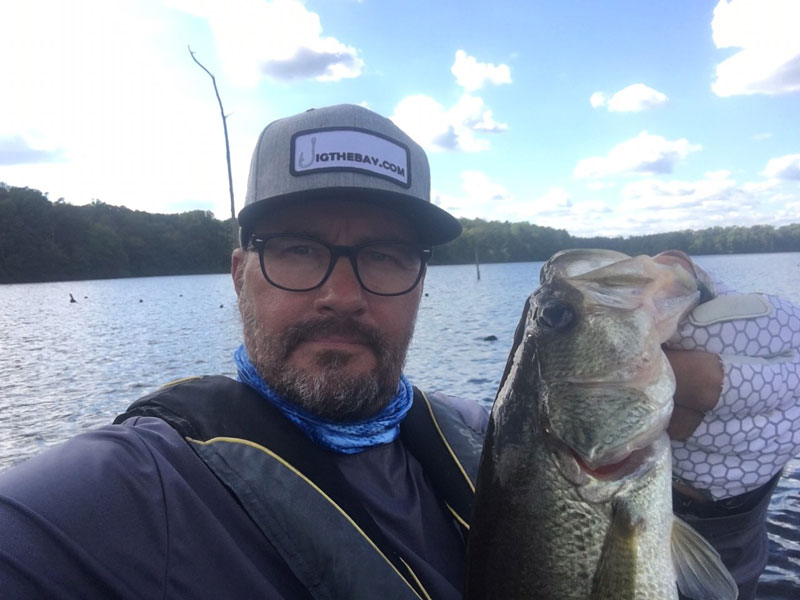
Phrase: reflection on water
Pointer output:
(783, 570)
(65, 367)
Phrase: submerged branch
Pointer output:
(227, 145)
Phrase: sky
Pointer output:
(611, 118)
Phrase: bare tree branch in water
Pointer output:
(227, 146)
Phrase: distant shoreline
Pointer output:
(44, 242)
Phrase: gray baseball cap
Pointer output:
(346, 152)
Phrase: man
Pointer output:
(320, 474)
(298, 482)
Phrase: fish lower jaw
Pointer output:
(633, 464)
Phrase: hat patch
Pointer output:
(350, 150)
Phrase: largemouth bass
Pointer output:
(573, 498)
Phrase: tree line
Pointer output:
(42, 240)
(496, 241)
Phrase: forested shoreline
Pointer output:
(42, 240)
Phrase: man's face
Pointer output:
(336, 351)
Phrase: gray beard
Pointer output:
(332, 394)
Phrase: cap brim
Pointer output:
(433, 225)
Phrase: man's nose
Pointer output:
(341, 292)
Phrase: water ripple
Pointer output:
(68, 367)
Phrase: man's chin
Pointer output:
(334, 395)
(342, 362)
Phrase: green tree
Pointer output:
(45, 241)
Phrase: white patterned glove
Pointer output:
(754, 429)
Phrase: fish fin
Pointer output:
(701, 574)
(615, 576)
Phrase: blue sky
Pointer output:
(601, 118)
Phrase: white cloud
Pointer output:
(588, 210)
(482, 189)
(655, 206)
(784, 167)
(645, 153)
(556, 197)
(479, 197)
(438, 128)
(720, 174)
(654, 194)
(634, 98)
(486, 199)
(765, 31)
(98, 88)
(597, 99)
(556, 208)
(18, 149)
(600, 185)
(280, 39)
(641, 207)
(473, 75)
(757, 187)
(554, 204)
(788, 213)
(471, 111)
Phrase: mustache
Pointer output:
(313, 328)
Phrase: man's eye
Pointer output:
(376, 256)
(386, 259)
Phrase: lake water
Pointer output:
(66, 367)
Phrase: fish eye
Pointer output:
(555, 314)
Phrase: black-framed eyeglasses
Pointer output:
(299, 263)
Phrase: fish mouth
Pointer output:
(613, 468)
(635, 463)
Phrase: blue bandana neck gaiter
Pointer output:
(345, 438)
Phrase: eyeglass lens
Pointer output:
(299, 263)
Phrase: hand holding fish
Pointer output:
(736, 360)
(736, 421)
(698, 382)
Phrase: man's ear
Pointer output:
(238, 262)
